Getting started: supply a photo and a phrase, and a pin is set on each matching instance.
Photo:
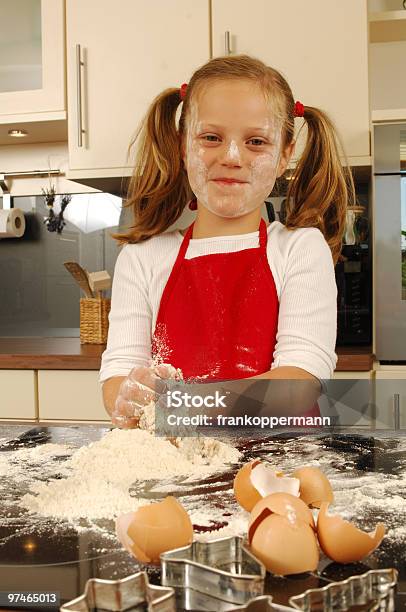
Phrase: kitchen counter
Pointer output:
(49, 354)
(68, 354)
(57, 556)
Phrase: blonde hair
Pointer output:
(320, 187)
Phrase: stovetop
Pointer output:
(42, 554)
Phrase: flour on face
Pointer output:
(227, 149)
(233, 152)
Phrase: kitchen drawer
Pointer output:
(70, 395)
(18, 394)
(390, 391)
(351, 394)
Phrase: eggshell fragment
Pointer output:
(281, 534)
(315, 487)
(267, 481)
(284, 504)
(154, 529)
(342, 541)
(258, 479)
(244, 491)
(284, 547)
(122, 524)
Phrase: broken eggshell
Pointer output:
(155, 529)
(315, 487)
(244, 491)
(257, 479)
(282, 535)
(267, 481)
(284, 504)
(342, 541)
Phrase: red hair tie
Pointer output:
(299, 109)
(182, 91)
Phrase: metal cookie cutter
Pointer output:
(223, 569)
(118, 595)
(375, 588)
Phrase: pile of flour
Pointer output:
(96, 479)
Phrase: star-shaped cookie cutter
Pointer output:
(119, 595)
(222, 568)
(375, 587)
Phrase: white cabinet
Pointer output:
(387, 54)
(32, 76)
(321, 47)
(17, 394)
(390, 398)
(129, 53)
(70, 395)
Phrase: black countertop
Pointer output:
(43, 554)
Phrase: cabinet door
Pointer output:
(32, 75)
(70, 395)
(350, 397)
(130, 53)
(18, 394)
(390, 399)
(320, 46)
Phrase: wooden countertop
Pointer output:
(68, 354)
(49, 354)
(354, 358)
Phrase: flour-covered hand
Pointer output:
(142, 387)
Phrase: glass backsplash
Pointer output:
(38, 296)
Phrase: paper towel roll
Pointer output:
(12, 223)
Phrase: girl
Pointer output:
(229, 298)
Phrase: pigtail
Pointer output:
(321, 188)
(158, 189)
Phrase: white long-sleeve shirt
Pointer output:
(303, 271)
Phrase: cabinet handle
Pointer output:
(227, 39)
(79, 65)
(396, 411)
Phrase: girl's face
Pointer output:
(232, 151)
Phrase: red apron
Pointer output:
(218, 315)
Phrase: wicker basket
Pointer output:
(94, 320)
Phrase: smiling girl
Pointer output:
(230, 297)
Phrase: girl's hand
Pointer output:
(143, 386)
